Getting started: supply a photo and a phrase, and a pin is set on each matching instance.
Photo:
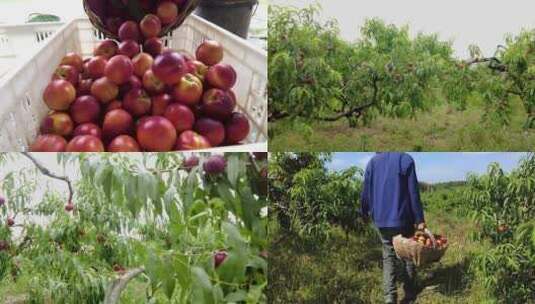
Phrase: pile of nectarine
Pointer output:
(426, 241)
(136, 95)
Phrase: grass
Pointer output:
(16, 291)
(442, 129)
(340, 271)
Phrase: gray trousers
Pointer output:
(406, 270)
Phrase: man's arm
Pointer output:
(414, 193)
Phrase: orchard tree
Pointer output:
(507, 75)
(503, 205)
(306, 198)
(315, 75)
(178, 228)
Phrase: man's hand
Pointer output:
(421, 226)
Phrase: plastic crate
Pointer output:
(19, 41)
(22, 108)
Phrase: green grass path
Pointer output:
(351, 271)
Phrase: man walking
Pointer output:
(391, 196)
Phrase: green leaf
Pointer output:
(235, 239)
(202, 290)
(237, 296)
(182, 270)
(235, 167)
(232, 270)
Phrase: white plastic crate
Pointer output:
(22, 107)
(19, 41)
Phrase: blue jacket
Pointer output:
(390, 192)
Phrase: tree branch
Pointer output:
(47, 172)
(113, 292)
(358, 109)
(277, 115)
(498, 67)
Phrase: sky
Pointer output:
(482, 22)
(437, 167)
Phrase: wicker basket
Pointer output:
(408, 249)
(187, 8)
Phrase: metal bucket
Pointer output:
(232, 15)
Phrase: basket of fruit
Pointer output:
(199, 88)
(109, 15)
(423, 248)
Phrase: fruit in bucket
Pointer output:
(118, 69)
(74, 60)
(137, 102)
(160, 103)
(117, 122)
(212, 129)
(85, 109)
(154, 101)
(142, 63)
(106, 48)
(156, 133)
(426, 241)
(49, 143)
(85, 143)
(150, 26)
(169, 67)
(95, 67)
(221, 76)
(58, 123)
(180, 116)
(129, 48)
(104, 89)
(236, 128)
(152, 83)
(167, 11)
(217, 104)
(189, 90)
(88, 129)
(59, 94)
(210, 52)
(67, 72)
(153, 46)
(190, 140)
(123, 143)
(129, 30)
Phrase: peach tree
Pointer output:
(306, 198)
(315, 75)
(504, 77)
(503, 206)
(160, 228)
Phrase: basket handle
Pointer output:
(431, 236)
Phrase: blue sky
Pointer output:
(437, 167)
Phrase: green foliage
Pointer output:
(504, 207)
(315, 75)
(140, 211)
(488, 221)
(307, 198)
